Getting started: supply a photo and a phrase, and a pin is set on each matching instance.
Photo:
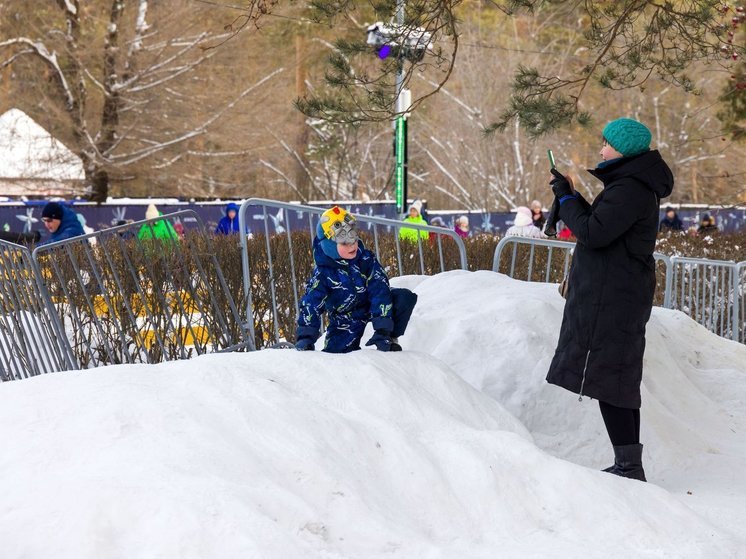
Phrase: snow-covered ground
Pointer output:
(454, 448)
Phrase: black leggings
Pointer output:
(622, 424)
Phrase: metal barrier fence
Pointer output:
(740, 311)
(709, 291)
(139, 293)
(712, 292)
(555, 265)
(278, 269)
(32, 341)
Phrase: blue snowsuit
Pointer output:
(353, 293)
(69, 227)
(226, 225)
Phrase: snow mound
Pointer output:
(500, 335)
(281, 454)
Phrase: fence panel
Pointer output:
(31, 338)
(739, 313)
(529, 259)
(279, 272)
(707, 291)
(140, 293)
(548, 261)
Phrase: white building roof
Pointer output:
(29, 152)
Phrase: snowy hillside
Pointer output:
(281, 454)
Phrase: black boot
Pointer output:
(628, 462)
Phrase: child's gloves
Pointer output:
(383, 341)
(304, 344)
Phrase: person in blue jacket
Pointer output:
(61, 222)
(350, 284)
(228, 224)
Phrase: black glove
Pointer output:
(304, 344)
(550, 228)
(560, 185)
(383, 341)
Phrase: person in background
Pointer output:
(707, 226)
(462, 227)
(179, 228)
(87, 230)
(565, 234)
(537, 215)
(228, 224)
(611, 284)
(415, 216)
(437, 221)
(61, 222)
(161, 229)
(349, 284)
(523, 225)
(671, 222)
(126, 234)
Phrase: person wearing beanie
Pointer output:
(415, 216)
(671, 221)
(162, 229)
(462, 227)
(61, 222)
(523, 225)
(707, 226)
(228, 224)
(611, 284)
(537, 215)
(349, 284)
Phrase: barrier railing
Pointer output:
(32, 341)
(712, 292)
(708, 291)
(739, 313)
(555, 264)
(429, 251)
(139, 293)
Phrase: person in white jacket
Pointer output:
(523, 225)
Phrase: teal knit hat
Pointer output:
(628, 136)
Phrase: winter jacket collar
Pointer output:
(647, 168)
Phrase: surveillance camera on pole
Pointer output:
(392, 39)
(400, 42)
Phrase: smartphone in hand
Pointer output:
(550, 228)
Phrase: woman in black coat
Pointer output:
(611, 284)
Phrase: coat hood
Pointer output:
(322, 259)
(647, 168)
(523, 217)
(69, 227)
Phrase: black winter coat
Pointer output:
(612, 281)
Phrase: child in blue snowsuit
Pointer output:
(350, 284)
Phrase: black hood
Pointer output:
(648, 168)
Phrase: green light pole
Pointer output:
(400, 128)
(400, 169)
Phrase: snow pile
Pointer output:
(500, 335)
(281, 454)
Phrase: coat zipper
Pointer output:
(582, 382)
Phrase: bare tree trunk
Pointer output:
(110, 111)
(695, 186)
